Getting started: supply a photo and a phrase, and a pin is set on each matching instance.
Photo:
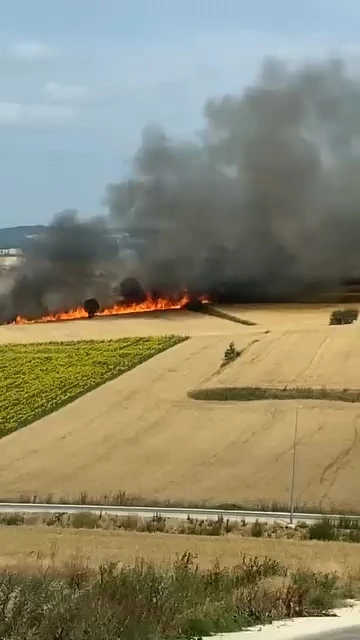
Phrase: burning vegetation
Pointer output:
(92, 308)
(263, 206)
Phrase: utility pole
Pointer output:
(294, 464)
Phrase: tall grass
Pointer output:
(145, 602)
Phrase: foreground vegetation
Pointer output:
(59, 372)
(149, 602)
(246, 394)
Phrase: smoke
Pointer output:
(269, 194)
(73, 260)
(264, 201)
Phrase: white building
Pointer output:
(11, 258)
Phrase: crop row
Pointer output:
(37, 379)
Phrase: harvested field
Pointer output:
(57, 373)
(299, 317)
(142, 434)
(143, 324)
(329, 358)
(26, 547)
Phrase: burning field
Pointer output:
(262, 207)
(91, 308)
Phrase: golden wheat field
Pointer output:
(142, 434)
(36, 547)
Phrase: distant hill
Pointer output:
(19, 237)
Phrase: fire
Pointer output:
(160, 304)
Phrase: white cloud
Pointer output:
(33, 51)
(15, 113)
(66, 92)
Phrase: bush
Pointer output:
(343, 316)
(257, 529)
(12, 519)
(84, 520)
(323, 530)
(231, 353)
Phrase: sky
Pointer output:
(80, 79)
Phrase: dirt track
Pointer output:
(141, 433)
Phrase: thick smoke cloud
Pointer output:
(265, 200)
(74, 260)
(270, 194)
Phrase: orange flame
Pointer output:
(161, 304)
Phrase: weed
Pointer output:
(147, 602)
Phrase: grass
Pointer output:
(24, 547)
(143, 600)
(59, 372)
(246, 394)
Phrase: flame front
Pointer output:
(160, 304)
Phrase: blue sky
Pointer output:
(79, 79)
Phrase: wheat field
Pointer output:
(142, 434)
(39, 547)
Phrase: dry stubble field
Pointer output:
(141, 433)
(27, 547)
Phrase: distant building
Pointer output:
(11, 252)
(11, 258)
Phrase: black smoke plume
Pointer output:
(72, 261)
(267, 201)
(264, 202)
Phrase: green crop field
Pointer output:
(37, 379)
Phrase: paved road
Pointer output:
(347, 634)
(168, 512)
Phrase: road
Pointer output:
(168, 512)
(345, 634)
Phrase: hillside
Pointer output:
(19, 237)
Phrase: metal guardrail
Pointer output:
(169, 512)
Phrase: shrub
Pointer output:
(84, 520)
(12, 519)
(343, 316)
(231, 353)
(257, 529)
(323, 530)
